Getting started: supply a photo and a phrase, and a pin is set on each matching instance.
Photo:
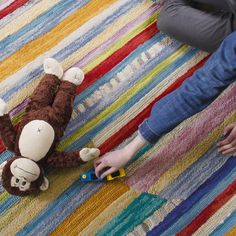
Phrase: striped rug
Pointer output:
(180, 186)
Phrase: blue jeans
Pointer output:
(195, 94)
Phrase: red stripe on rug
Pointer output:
(117, 57)
(12, 7)
(218, 202)
(132, 125)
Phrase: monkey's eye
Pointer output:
(15, 182)
(24, 185)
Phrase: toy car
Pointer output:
(91, 176)
(118, 174)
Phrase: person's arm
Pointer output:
(195, 94)
(119, 158)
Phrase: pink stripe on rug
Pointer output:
(146, 175)
(90, 56)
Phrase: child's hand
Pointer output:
(228, 145)
(111, 162)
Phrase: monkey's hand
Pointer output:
(3, 108)
(88, 154)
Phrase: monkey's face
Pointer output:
(22, 176)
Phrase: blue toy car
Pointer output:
(89, 176)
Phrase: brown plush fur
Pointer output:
(52, 101)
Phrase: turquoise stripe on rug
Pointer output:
(142, 207)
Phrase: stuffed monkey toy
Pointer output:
(38, 134)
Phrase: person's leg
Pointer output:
(194, 94)
(43, 95)
(217, 4)
(195, 27)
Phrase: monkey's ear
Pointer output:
(44, 186)
(1, 168)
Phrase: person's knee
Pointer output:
(164, 22)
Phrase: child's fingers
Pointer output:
(108, 172)
(228, 128)
(230, 150)
(228, 146)
(227, 140)
(99, 168)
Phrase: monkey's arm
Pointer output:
(65, 159)
(7, 132)
(72, 158)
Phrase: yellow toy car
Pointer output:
(118, 174)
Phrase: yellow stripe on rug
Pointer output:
(232, 232)
(91, 208)
(47, 41)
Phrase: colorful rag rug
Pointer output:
(179, 186)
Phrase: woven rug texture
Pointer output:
(180, 186)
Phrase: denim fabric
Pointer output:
(195, 94)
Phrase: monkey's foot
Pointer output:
(3, 107)
(53, 67)
(74, 75)
(88, 154)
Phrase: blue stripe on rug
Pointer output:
(183, 214)
(5, 156)
(8, 203)
(194, 176)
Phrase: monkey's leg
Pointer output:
(44, 93)
(64, 99)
